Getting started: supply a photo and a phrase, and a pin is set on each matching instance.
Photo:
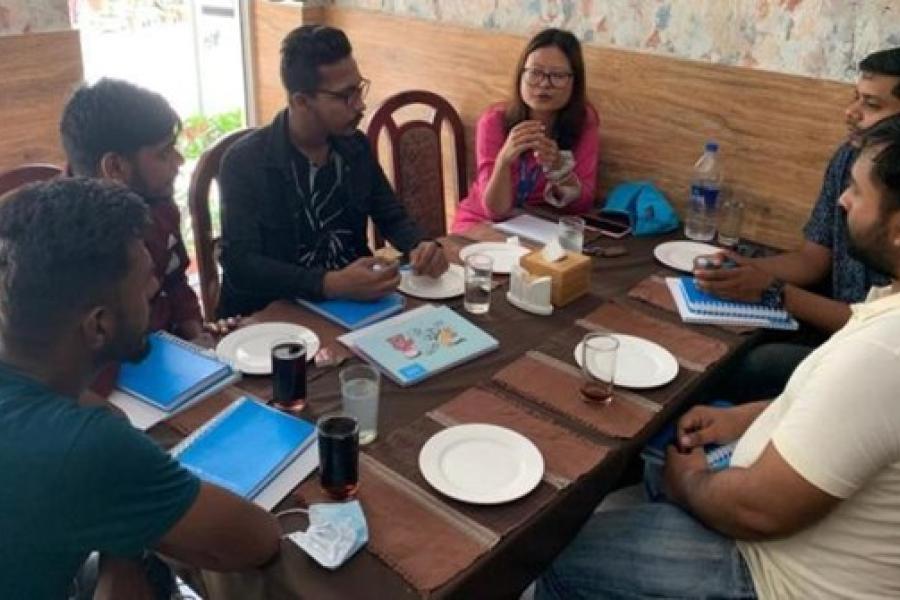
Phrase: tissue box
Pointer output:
(571, 276)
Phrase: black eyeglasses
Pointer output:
(351, 95)
(536, 77)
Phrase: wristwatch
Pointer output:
(773, 295)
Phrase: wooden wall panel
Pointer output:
(269, 23)
(38, 71)
(776, 131)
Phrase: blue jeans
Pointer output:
(764, 372)
(653, 550)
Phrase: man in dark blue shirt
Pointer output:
(75, 284)
(297, 194)
(825, 256)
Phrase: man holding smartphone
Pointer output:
(825, 258)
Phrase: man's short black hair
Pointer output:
(63, 249)
(113, 116)
(307, 48)
(883, 62)
(883, 139)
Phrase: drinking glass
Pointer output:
(730, 219)
(571, 233)
(359, 395)
(598, 365)
(479, 278)
(338, 434)
(289, 375)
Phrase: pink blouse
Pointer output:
(489, 138)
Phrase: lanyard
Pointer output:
(527, 180)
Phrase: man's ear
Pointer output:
(97, 328)
(116, 167)
(298, 100)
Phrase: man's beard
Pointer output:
(129, 345)
(869, 248)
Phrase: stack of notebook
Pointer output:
(252, 450)
(174, 375)
(696, 306)
(419, 343)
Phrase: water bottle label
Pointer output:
(709, 195)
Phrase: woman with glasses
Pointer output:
(541, 146)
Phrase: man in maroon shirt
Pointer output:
(116, 130)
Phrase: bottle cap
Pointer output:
(712, 146)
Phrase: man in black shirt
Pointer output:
(298, 193)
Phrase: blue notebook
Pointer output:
(173, 372)
(703, 302)
(420, 343)
(353, 314)
(245, 447)
(717, 457)
(708, 309)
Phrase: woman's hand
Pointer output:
(527, 135)
(547, 154)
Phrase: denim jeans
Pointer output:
(653, 550)
(764, 372)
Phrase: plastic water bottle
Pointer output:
(703, 206)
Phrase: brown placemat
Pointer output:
(653, 290)
(556, 386)
(567, 455)
(415, 536)
(400, 453)
(561, 346)
(693, 350)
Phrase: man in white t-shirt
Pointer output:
(810, 507)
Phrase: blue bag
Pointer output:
(649, 211)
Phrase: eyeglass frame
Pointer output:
(348, 96)
(547, 76)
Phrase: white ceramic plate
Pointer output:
(640, 363)
(249, 348)
(449, 285)
(504, 255)
(680, 255)
(481, 464)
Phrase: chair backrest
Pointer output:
(417, 156)
(205, 244)
(29, 173)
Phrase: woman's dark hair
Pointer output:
(570, 119)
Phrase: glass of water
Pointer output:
(360, 385)
(598, 365)
(730, 219)
(571, 233)
(479, 279)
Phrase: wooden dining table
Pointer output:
(520, 554)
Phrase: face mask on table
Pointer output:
(336, 532)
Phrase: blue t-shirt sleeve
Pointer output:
(124, 491)
(820, 227)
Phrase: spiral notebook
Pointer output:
(175, 374)
(696, 306)
(247, 446)
(718, 457)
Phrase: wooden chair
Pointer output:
(417, 155)
(205, 243)
(28, 173)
